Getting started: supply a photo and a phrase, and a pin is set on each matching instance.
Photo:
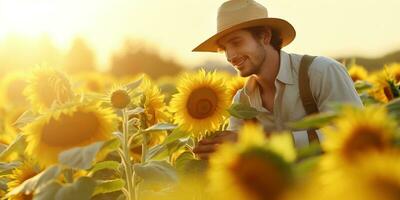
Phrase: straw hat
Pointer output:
(238, 14)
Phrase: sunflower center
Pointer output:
(388, 93)
(261, 174)
(356, 77)
(202, 103)
(363, 139)
(120, 99)
(70, 130)
(389, 189)
(397, 77)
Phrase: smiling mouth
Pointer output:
(239, 62)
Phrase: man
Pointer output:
(252, 43)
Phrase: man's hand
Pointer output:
(208, 146)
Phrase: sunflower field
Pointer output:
(95, 136)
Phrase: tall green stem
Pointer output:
(127, 161)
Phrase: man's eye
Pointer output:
(237, 43)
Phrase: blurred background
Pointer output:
(126, 37)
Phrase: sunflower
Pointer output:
(47, 86)
(11, 89)
(201, 102)
(118, 96)
(358, 131)
(254, 168)
(394, 70)
(234, 84)
(357, 72)
(22, 173)
(155, 111)
(154, 105)
(376, 176)
(384, 88)
(70, 126)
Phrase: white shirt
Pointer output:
(329, 82)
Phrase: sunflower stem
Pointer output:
(145, 139)
(126, 157)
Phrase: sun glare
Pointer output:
(31, 19)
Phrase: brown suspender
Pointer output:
(305, 94)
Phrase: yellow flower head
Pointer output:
(22, 173)
(47, 86)
(201, 102)
(119, 96)
(357, 72)
(376, 176)
(11, 89)
(381, 89)
(394, 70)
(358, 131)
(234, 84)
(154, 105)
(71, 126)
(254, 168)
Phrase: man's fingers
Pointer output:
(205, 148)
(204, 156)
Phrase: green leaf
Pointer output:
(16, 147)
(47, 192)
(6, 167)
(156, 174)
(24, 119)
(160, 127)
(162, 151)
(308, 151)
(243, 111)
(37, 181)
(108, 186)
(135, 111)
(80, 157)
(175, 135)
(393, 108)
(109, 164)
(82, 189)
(110, 146)
(303, 168)
(135, 84)
(188, 165)
(368, 99)
(362, 85)
(313, 121)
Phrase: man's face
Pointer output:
(243, 51)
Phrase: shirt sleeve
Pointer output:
(330, 83)
(235, 123)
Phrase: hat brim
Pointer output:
(284, 29)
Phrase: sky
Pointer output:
(324, 27)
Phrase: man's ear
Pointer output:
(267, 36)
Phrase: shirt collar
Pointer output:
(285, 74)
